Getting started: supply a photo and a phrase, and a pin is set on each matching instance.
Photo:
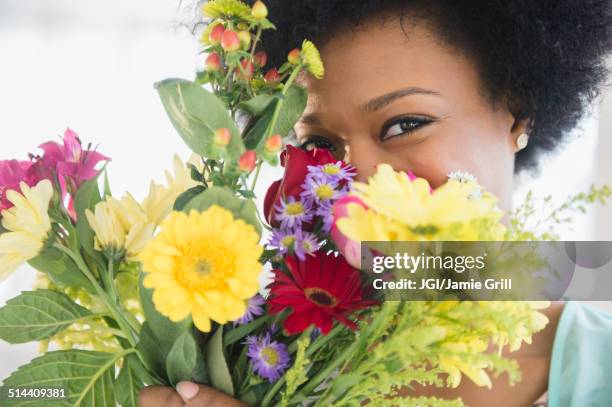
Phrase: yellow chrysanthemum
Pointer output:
(312, 59)
(227, 9)
(125, 224)
(121, 225)
(160, 200)
(27, 224)
(205, 264)
(401, 209)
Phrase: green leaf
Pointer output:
(243, 330)
(60, 268)
(127, 386)
(244, 209)
(107, 188)
(196, 114)
(87, 197)
(184, 359)
(292, 109)
(165, 331)
(286, 108)
(187, 196)
(257, 134)
(216, 365)
(255, 106)
(86, 376)
(345, 381)
(149, 348)
(37, 315)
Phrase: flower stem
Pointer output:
(327, 371)
(112, 306)
(256, 175)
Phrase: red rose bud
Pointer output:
(294, 56)
(246, 73)
(260, 58)
(230, 41)
(274, 143)
(245, 39)
(272, 77)
(216, 34)
(259, 10)
(222, 137)
(213, 62)
(246, 163)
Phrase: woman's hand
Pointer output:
(187, 394)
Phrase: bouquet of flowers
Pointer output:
(166, 289)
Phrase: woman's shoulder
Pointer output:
(582, 357)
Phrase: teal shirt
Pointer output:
(581, 365)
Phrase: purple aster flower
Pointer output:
(292, 213)
(320, 190)
(334, 172)
(254, 309)
(283, 240)
(325, 212)
(294, 240)
(269, 359)
(306, 243)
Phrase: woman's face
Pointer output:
(406, 99)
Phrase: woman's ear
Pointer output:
(521, 126)
(520, 135)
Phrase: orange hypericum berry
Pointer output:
(259, 10)
(216, 34)
(260, 58)
(245, 39)
(246, 73)
(272, 77)
(222, 137)
(230, 41)
(213, 62)
(274, 143)
(246, 163)
(294, 56)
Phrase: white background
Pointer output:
(91, 65)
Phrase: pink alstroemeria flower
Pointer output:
(13, 172)
(70, 163)
(350, 249)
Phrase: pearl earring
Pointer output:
(522, 140)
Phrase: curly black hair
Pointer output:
(547, 57)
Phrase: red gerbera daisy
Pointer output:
(319, 290)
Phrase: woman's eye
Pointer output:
(317, 142)
(403, 126)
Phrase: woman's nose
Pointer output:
(365, 157)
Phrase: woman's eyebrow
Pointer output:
(312, 119)
(381, 101)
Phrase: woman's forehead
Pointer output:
(378, 59)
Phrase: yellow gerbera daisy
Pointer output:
(27, 223)
(312, 59)
(227, 9)
(205, 264)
